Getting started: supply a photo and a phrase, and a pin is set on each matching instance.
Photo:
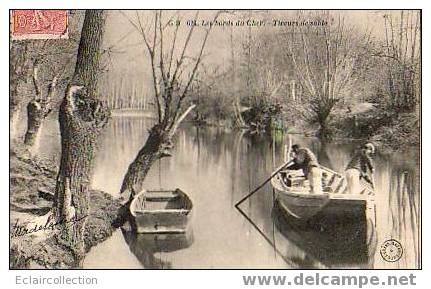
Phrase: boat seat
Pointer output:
(161, 211)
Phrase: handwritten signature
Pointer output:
(50, 224)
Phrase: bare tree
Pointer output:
(325, 59)
(51, 71)
(401, 52)
(38, 108)
(81, 117)
(266, 107)
(173, 70)
(45, 65)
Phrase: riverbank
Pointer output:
(400, 134)
(32, 183)
(389, 130)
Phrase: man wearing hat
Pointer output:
(360, 166)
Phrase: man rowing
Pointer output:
(304, 158)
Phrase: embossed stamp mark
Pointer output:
(39, 24)
(391, 250)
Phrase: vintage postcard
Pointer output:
(215, 139)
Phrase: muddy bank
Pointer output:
(389, 130)
(32, 183)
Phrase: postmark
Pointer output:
(391, 250)
(39, 24)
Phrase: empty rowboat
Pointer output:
(164, 211)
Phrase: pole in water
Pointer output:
(261, 185)
(289, 262)
(237, 206)
(160, 174)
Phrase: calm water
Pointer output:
(217, 169)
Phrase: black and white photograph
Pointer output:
(215, 139)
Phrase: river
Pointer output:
(217, 168)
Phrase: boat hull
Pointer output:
(300, 206)
(161, 212)
(162, 222)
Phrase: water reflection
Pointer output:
(152, 250)
(399, 214)
(218, 168)
(326, 240)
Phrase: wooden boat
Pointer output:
(294, 196)
(164, 211)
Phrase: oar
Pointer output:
(264, 183)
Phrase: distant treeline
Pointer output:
(125, 93)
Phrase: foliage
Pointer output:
(213, 101)
(401, 54)
(264, 116)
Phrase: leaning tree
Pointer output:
(82, 116)
(173, 68)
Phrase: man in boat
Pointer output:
(360, 167)
(304, 158)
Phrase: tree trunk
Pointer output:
(78, 141)
(13, 100)
(36, 113)
(13, 109)
(18, 66)
(81, 118)
(38, 109)
(157, 146)
(87, 70)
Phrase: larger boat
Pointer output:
(295, 198)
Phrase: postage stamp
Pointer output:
(39, 24)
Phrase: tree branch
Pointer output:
(172, 50)
(35, 79)
(151, 51)
(186, 43)
(180, 119)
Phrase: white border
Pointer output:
(199, 279)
